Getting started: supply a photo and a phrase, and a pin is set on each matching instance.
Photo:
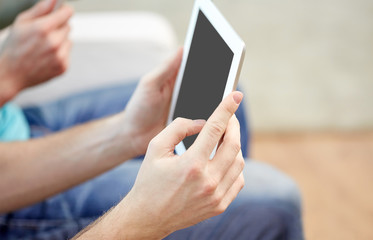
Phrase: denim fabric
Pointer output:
(267, 208)
(79, 108)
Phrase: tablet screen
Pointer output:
(205, 75)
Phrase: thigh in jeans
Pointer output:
(64, 215)
(267, 208)
(77, 109)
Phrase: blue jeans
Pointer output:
(267, 208)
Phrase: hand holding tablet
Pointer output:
(212, 60)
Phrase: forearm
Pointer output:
(123, 223)
(34, 170)
(6, 87)
(8, 84)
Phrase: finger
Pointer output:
(40, 9)
(232, 193)
(176, 68)
(168, 70)
(217, 124)
(231, 175)
(228, 150)
(57, 19)
(63, 55)
(59, 61)
(58, 37)
(174, 133)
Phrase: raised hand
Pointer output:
(146, 113)
(37, 48)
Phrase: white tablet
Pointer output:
(210, 68)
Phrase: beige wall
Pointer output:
(309, 64)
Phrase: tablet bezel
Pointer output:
(230, 37)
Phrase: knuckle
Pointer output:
(53, 47)
(235, 119)
(42, 30)
(209, 187)
(215, 201)
(241, 182)
(59, 70)
(179, 121)
(241, 163)
(63, 66)
(219, 209)
(60, 58)
(194, 172)
(233, 178)
(217, 128)
(236, 146)
(228, 108)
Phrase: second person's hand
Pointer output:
(37, 48)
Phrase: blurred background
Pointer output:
(308, 79)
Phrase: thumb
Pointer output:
(174, 133)
(168, 70)
(40, 9)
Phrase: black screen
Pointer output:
(205, 76)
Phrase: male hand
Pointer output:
(37, 48)
(146, 113)
(173, 192)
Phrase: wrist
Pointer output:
(8, 83)
(124, 136)
(130, 136)
(118, 224)
(133, 223)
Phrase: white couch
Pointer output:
(109, 47)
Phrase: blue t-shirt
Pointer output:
(13, 124)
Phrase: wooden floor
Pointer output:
(335, 175)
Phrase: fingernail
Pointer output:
(237, 97)
(199, 122)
